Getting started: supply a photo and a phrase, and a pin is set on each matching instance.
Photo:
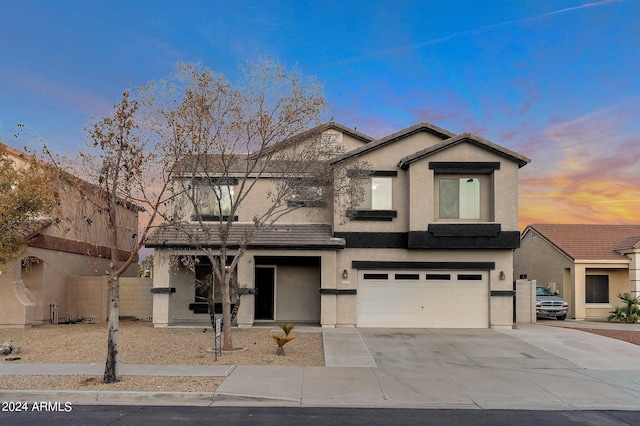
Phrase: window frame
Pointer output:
(384, 201)
(465, 199)
(592, 292)
(485, 196)
(221, 206)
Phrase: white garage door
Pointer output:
(423, 299)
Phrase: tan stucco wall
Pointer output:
(294, 284)
(48, 280)
(501, 187)
(551, 268)
(540, 261)
(17, 301)
(634, 273)
(297, 297)
(618, 283)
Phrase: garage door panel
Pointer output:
(423, 303)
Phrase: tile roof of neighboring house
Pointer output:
(281, 236)
(631, 243)
(469, 138)
(588, 242)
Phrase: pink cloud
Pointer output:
(594, 178)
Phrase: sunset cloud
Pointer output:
(589, 171)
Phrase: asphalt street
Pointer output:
(161, 415)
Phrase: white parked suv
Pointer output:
(549, 305)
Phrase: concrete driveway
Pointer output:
(531, 367)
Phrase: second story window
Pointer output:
(377, 195)
(459, 198)
(213, 201)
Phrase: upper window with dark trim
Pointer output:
(377, 201)
(459, 198)
(306, 194)
(213, 201)
(464, 197)
(377, 194)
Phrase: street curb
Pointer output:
(110, 397)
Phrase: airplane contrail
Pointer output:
(474, 31)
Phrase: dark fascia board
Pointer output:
(336, 291)
(162, 290)
(374, 239)
(503, 293)
(521, 160)
(372, 215)
(469, 266)
(480, 167)
(420, 127)
(426, 240)
(465, 229)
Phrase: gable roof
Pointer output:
(588, 242)
(310, 133)
(464, 138)
(420, 127)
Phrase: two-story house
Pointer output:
(71, 241)
(430, 245)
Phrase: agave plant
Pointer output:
(629, 313)
(282, 340)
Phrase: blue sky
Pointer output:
(557, 81)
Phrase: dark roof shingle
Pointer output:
(282, 236)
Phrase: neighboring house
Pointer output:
(74, 241)
(430, 246)
(587, 264)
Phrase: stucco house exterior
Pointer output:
(430, 246)
(587, 264)
(73, 241)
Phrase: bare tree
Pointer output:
(120, 169)
(252, 137)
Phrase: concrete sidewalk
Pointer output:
(532, 367)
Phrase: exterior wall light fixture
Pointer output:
(502, 275)
(345, 274)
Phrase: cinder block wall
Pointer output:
(136, 299)
(88, 297)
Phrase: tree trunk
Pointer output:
(113, 337)
(227, 343)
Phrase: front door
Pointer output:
(265, 292)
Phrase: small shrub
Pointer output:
(628, 313)
(282, 340)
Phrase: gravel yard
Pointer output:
(141, 343)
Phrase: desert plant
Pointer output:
(628, 313)
(282, 340)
